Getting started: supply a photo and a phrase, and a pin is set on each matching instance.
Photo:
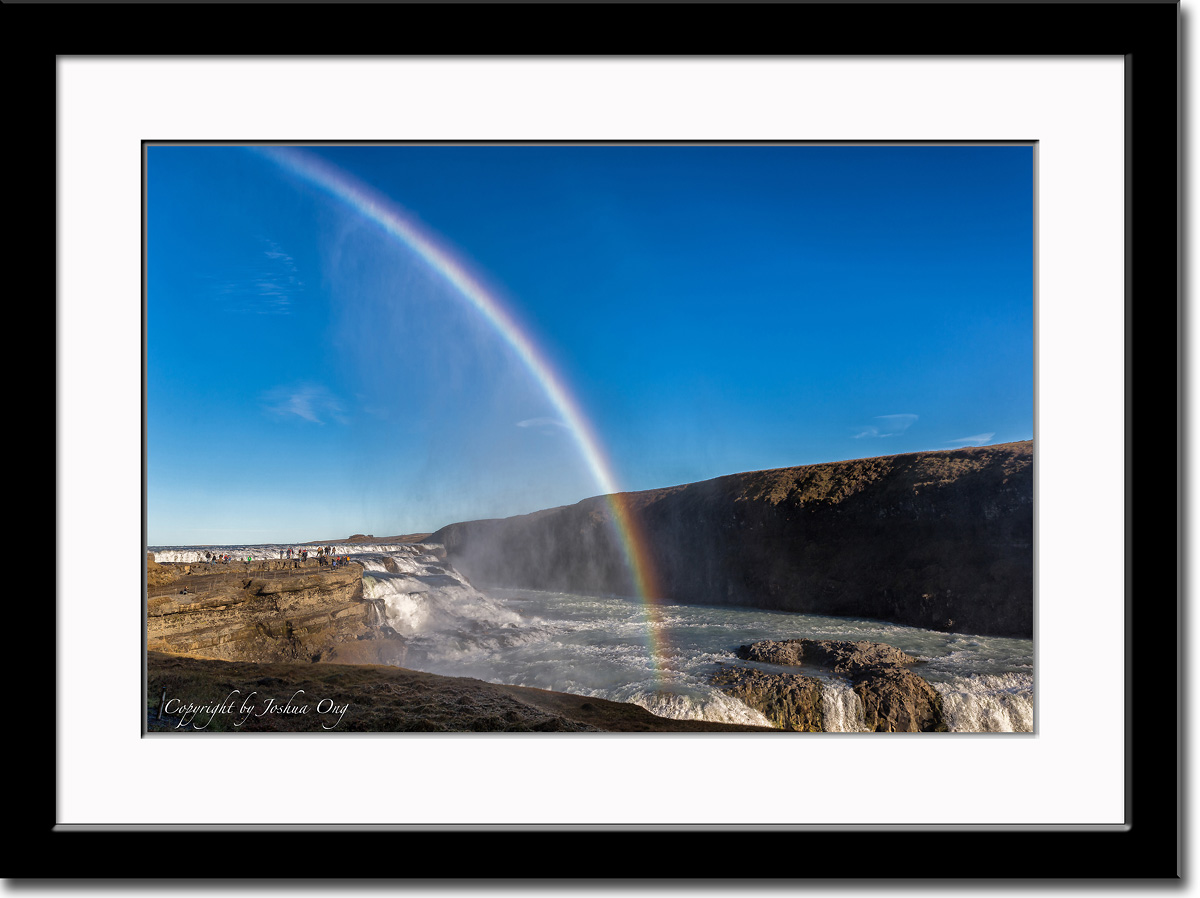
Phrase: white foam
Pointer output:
(194, 554)
(989, 703)
(841, 708)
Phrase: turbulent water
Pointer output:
(660, 657)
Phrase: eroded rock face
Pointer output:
(894, 698)
(265, 611)
(789, 701)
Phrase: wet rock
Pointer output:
(898, 701)
(839, 656)
(789, 701)
(894, 698)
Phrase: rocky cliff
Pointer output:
(942, 540)
(266, 611)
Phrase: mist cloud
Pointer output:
(267, 286)
(976, 440)
(888, 426)
(311, 402)
(543, 425)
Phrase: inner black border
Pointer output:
(1146, 34)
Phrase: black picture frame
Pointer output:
(1148, 847)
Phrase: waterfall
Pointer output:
(376, 615)
(841, 708)
(989, 703)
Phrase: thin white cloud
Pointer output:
(976, 440)
(888, 426)
(311, 402)
(276, 252)
(543, 425)
(268, 286)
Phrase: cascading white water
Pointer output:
(376, 617)
(424, 597)
(841, 708)
(263, 552)
(988, 703)
(715, 706)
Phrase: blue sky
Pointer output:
(708, 309)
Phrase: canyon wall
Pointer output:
(941, 540)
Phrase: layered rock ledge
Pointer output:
(273, 610)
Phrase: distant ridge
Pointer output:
(938, 539)
(360, 538)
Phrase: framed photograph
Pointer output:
(877, 586)
(472, 296)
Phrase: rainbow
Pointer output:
(394, 222)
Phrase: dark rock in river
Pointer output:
(789, 701)
(941, 540)
(894, 699)
(842, 657)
